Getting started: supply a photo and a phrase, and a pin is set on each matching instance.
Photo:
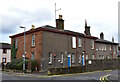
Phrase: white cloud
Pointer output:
(102, 15)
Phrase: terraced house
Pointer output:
(56, 47)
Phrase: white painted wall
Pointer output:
(7, 55)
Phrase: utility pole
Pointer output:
(24, 50)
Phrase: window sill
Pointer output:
(50, 63)
(32, 46)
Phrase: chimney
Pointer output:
(87, 29)
(113, 39)
(33, 27)
(60, 23)
(102, 36)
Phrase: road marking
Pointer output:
(103, 78)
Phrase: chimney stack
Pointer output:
(113, 39)
(87, 29)
(60, 23)
(102, 36)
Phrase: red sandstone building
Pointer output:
(52, 46)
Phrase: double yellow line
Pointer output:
(104, 78)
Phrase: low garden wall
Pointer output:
(91, 65)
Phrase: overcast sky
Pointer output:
(101, 15)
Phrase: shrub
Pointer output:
(16, 64)
(34, 64)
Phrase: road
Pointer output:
(89, 76)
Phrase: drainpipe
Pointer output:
(77, 49)
(95, 49)
(85, 50)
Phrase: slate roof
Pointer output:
(105, 41)
(5, 45)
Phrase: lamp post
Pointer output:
(24, 49)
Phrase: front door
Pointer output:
(69, 60)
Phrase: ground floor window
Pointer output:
(50, 58)
(4, 60)
(93, 56)
(73, 58)
(79, 58)
(62, 58)
(86, 57)
(32, 55)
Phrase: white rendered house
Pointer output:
(5, 53)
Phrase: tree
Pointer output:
(14, 50)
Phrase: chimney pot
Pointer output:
(60, 16)
(102, 36)
(60, 23)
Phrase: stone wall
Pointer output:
(94, 66)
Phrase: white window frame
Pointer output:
(73, 42)
(103, 57)
(62, 57)
(105, 46)
(92, 44)
(79, 42)
(73, 58)
(93, 57)
(99, 46)
(114, 50)
(16, 43)
(79, 58)
(86, 57)
(110, 48)
(50, 58)
(33, 40)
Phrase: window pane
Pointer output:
(73, 58)
(73, 42)
(86, 57)
(79, 58)
(32, 55)
(92, 44)
(79, 42)
(50, 58)
(33, 40)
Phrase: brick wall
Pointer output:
(28, 46)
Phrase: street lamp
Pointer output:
(24, 49)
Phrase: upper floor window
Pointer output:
(33, 40)
(50, 58)
(110, 48)
(79, 42)
(105, 46)
(73, 42)
(92, 44)
(96, 47)
(102, 46)
(16, 43)
(114, 50)
(99, 46)
(4, 51)
(73, 58)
